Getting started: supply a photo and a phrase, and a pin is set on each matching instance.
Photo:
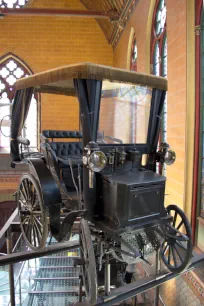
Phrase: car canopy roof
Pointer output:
(60, 80)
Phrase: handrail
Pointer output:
(8, 223)
(26, 255)
(130, 290)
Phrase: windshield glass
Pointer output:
(124, 113)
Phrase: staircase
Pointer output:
(54, 280)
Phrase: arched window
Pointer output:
(13, 3)
(159, 54)
(133, 57)
(11, 69)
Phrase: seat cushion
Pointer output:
(65, 149)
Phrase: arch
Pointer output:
(158, 56)
(13, 3)
(133, 54)
(11, 66)
(148, 34)
(11, 69)
(132, 32)
(158, 33)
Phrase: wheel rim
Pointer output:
(33, 217)
(176, 250)
(88, 267)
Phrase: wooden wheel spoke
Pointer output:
(165, 249)
(22, 203)
(28, 185)
(180, 245)
(177, 251)
(38, 222)
(33, 218)
(25, 190)
(36, 235)
(33, 197)
(35, 204)
(181, 237)
(37, 227)
(29, 233)
(25, 184)
(23, 195)
(179, 225)
(39, 235)
(25, 219)
(169, 255)
(174, 256)
(174, 220)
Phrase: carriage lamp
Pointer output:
(165, 154)
(94, 159)
(170, 157)
(97, 161)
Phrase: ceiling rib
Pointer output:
(119, 12)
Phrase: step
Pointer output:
(61, 299)
(54, 278)
(57, 285)
(58, 267)
(61, 257)
(56, 261)
(72, 290)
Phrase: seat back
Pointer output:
(61, 134)
(66, 148)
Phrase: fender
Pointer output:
(50, 192)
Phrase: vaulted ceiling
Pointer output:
(119, 12)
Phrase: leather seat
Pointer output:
(62, 151)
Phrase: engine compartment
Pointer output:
(127, 192)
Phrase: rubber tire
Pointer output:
(43, 209)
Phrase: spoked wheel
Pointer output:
(176, 250)
(33, 215)
(88, 267)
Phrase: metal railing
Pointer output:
(11, 226)
(117, 295)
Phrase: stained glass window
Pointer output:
(133, 58)
(12, 69)
(12, 3)
(159, 55)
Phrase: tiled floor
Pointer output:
(185, 290)
(177, 292)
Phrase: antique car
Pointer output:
(105, 174)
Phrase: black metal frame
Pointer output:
(115, 296)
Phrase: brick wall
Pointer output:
(176, 39)
(48, 42)
(138, 22)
